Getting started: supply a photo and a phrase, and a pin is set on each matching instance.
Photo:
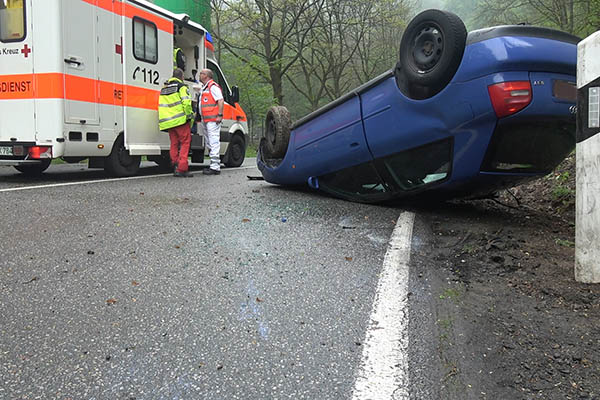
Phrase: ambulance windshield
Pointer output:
(12, 20)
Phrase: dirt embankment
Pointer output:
(519, 317)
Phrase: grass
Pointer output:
(564, 242)
(562, 193)
(251, 150)
(450, 294)
(469, 248)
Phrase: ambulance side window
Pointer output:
(145, 40)
(12, 20)
(218, 77)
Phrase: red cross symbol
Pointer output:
(26, 50)
(119, 49)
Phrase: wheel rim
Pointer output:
(428, 48)
(236, 152)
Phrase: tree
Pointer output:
(379, 48)
(264, 29)
(579, 17)
(255, 96)
(351, 42)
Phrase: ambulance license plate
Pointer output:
(6, 151)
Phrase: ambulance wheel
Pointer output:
(120, 162)
(235, 152)
(34, 169)
(277, 134)
(431, 50)
(164, 162)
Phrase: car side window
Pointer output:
(360, 182)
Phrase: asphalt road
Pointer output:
(213, 287)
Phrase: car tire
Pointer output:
(34, 169)
(236, 152)
(277, 134)
(119, 162)
(431, 51)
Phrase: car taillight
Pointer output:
(38, 152)
(509, 97)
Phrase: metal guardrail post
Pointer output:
(587, 206)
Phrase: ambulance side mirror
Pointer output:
(235, 94)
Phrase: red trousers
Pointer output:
(180, 136)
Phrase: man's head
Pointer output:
(206, 75)
(178, 73)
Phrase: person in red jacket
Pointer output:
(211, 107)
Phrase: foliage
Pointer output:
(565, 243)
(306, 53)
(264, 29)
(255, 96)
(579, 17)
(251, 150)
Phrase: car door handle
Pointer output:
(72, 61)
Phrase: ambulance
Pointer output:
(80, 79)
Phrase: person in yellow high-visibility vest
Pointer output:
(174, 115)
(178, 58)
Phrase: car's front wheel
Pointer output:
(431, 50)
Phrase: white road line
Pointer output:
(95, 181)
(383, 372)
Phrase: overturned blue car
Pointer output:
(460, 115)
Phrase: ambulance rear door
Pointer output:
(81, 61)
(17, 124)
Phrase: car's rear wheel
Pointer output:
(34, 169)
(277, 135)
(431, 50)
(119, 162)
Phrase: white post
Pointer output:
(587, 206)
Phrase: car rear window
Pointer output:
(12, 20)
(534, 147)
(414, 168)
(358, 183)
